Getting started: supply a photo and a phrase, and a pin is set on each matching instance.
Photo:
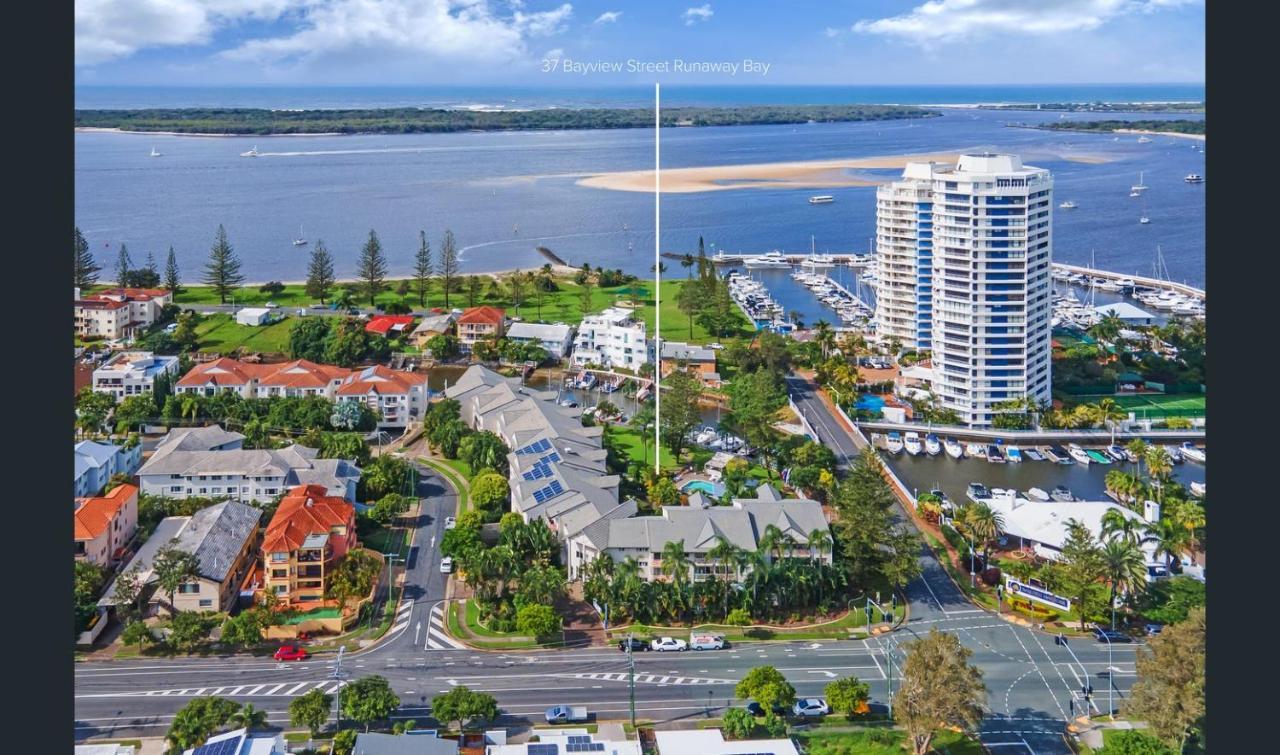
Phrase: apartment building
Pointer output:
(398, 397)
(309, 533)
(118, 312)
(132, 373)
(612, 338)
(556, 339)
(96, 463)
(105, 524)
(479, 324)
(297, 378)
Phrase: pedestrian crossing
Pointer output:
(403, 613)
(437, 637)
(269, 689)
(652, 679)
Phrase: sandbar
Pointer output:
(1197, 137)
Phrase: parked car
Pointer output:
(809, 707)
(291, 653)
(663, 644)
(564, 714)
(446, 565)
(450, 522)
(757, 710)
(707, 641)
(1105, 635)
(633, 644)
(1153, 629)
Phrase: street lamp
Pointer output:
(1111, 671)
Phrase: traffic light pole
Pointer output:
(631, 685)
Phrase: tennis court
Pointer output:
(1181, 403)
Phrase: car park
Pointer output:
(809, 707)
(663, 644)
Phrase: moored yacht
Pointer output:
(1079, 454)
(976, 450)
(1036, 494)
(932, 445)
(893, 442)
(953, 448)
(1062, 493)
(1013, 454)
(769, 259)
(1191, 452)
(911, 442)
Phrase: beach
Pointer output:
(1197, 137)
(816, 174)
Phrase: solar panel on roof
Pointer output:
(543, 749)
(229, 746)
(536, 447)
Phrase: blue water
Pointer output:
(493, 97)
(503, 194)
(707, 488)
(869, 402)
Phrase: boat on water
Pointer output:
(1036, 494)
(769, 259)
(1068, 205)
(1144, 140)
(1144, 220)
(253, 152)
(1197, 489)
(1061, 493)
(1139, 187)
(1033, 454)
(1189, 451)
(1194, 178)
(1133, 193)
(911, 442)
(1098, 456)
(1063, 455)
(822, 199)
(932, 445)
(953, 448)
(1079, 454)
(1117, 453)
(893, 442)
(1175, 454)
(1013, 454)
(994, 455)
(301, 240)
(976, 450)
(977, 490)
(154, 153)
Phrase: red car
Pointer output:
(291, 653)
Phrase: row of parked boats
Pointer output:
(852, 310)
(978, 492)
(999, 453)
(754, 299)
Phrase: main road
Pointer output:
(1033, 684)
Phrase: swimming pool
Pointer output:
(704, 487)
(869, 402)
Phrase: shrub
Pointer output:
(738, 617)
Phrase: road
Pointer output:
(1031, 682)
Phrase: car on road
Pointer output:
(707, 642)
(271, 305)
(291, 653)
(809, 707)
(663, 644)
(450, 522)
(633, 644)
(446, 565)
(1153, 629)
(1105, 635)
(757, 710)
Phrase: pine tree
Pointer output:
(172, 278)
(320, 272)
(222, 272)
(123, 265)
(448, 263)
(422, 269)
(151, 266)
(373, 267)
(86, 268)
(702, 259)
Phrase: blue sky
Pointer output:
(334, 42)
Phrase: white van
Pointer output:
(706, 642)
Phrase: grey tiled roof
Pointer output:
(369, 743)
(217, 534)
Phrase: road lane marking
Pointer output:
(297, 687)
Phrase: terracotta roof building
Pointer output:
(105, 524)
(389, 325)
(297, 378)
(305, 539)
(480, 323)
(397, 396)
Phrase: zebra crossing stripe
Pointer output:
(399, 626)
(254, 691)
(296, 687)
(433, 644)
(236, 690)
(320, 684)
(273, 690)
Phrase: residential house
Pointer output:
(480, 324)
(221, 536)
(431, 326)
(565, 741)
(554, 339)
(391, 326)
(398, 397)
(96, 463)
(424, 742)
(297, 378)
(132, 373)
(744, 524)
(308, 534)
(241, 742)
(556, 466)
(712, 742)
(698, 360)
(105, 524)
(612, 338)
(211, 462)
(118, 312)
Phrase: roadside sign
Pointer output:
(1037, 594)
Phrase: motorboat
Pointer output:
(1068, 205)
(1191, 452)
(953, 448)
(1144, 220)
(822, 199)
(1197, 489)
(1013, 454)
(1033, 454)
(976, 450)
(932, 445)
(977, 490)
(1036, 494)
(943, 500)
(1097, 456)
(1061, 493)
(154, 153)
(1064, 455)
(1079, 454)
(253, 152)
(769, 259)
(1175, 454)
(911, 442)
(993, 454)
(1144, 140)
(1117, 453)
(1194, 178)
(893, 443)
(1049, 455)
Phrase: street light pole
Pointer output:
(1111, 704)
(631, 664)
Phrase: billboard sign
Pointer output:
(1038, 594)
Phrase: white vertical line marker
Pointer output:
(657, 276)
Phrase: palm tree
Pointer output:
(1117, 526)
(1172, 540)
(1138, 447)
(687, 262)
(1159, 466)
(1126, 569)
(249, 717)
(771, 541)
(984, 524)
(190, 406)
(820, 542)
(1109, 413)
(676, 564)
(824, 336)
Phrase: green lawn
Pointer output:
(628, 440)
(221, 333)
(675, 325)
(883, 742)
(481, 636)
(838, 629)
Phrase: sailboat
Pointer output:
(1144, 220)
(154, 153)
(301, 240)
(1139, 187)
(253, 152)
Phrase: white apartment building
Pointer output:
(612, 338)
(970, 277)
(555, 339)
(904, 258)
(130, 373)
(118, 312)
